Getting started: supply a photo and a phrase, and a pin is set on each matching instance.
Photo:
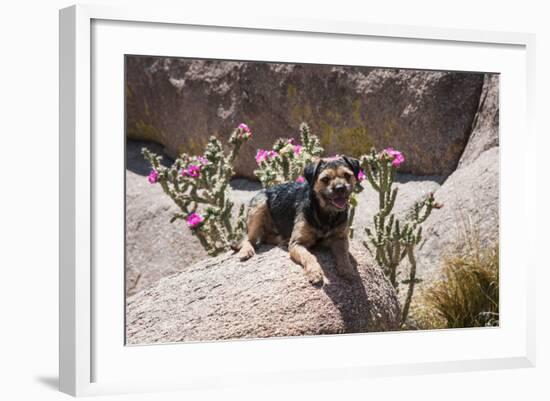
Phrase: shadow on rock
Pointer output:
(243, 184)
(405, 178)
(135, 161)
(350, 297)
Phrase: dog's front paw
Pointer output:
(314, 273)
(246, 252)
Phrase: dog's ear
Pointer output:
(311, 170)
(353, 164)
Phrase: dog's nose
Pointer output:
(340, 188)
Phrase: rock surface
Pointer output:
(485, 128)
(179, 103)
(471, 212)
(268, 296)
(470, 194)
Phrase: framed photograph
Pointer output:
(281, 200)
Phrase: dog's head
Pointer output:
(332, 180)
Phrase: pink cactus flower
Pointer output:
(291, 141)
(244, 131)
(361, 176)
(300, 179)
(397, 156)
(192, 171)
(297, 149)
(244, 127)
(263, 155)
(153, 177)
(194, 220)
(399, 159)
(202, 160)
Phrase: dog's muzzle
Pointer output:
(340, 196)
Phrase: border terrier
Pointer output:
(306, 214)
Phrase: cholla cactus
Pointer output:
(286, 161)
(390, 241)
(199, 186)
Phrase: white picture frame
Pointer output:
(79, 369)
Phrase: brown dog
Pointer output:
(305, 214)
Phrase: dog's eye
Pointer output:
(347, 176)
(325, 179)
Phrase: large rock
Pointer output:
(485, 128)
(427, 114)
(470, 212)
(471, 194)
(149, 233)
(266, 296)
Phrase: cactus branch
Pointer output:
(199, 186)
(390, 240)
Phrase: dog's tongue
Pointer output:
(340, 203)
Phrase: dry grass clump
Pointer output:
(466, 295)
